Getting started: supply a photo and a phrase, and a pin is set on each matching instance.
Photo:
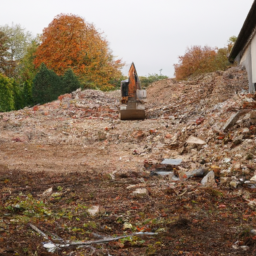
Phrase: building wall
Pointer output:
(248, 60)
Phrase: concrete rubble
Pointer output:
(208, 122)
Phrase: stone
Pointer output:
(197, 173)
(253, 179)
(140, 192)
(195, 140)
(94, 210)
(209, 180)
(234, 183)
(246, 130)
(172, 161)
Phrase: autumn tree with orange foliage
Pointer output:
(197, 60)
(70, 42)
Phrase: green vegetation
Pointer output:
(146, 81)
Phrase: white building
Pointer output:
(244, 50)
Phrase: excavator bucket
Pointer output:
(133, 97)
(132, 114)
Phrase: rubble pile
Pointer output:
(190, 165)
(208, 122)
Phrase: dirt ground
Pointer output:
(62, 159)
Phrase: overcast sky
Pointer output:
(150, 33)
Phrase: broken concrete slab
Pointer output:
(233, 119)
(172, 161)
(209, 180)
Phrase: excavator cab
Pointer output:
(133, 97)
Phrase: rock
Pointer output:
(216, 170)
(209, 180)
(224, 180)
(197, 173)
(253, 179)
(172, 161)
(225, 172)
(237, 166)
(47, 192)
(246, 130)
(94, 210)
(127, 226)
(140, 192)
(234, 183)
(252, 204)
(233, 119)
(237, 140)
(195, 140)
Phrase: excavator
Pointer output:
(133, 98)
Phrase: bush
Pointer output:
(6, 94)
(146, 81)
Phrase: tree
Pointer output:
(6, 94)
(27, 70)
(17, 95)
(197, 60)
(70, 81)
(47, 86)
(27, 93)
(69, 42)
(6, 65)
(18, 40)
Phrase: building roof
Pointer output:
(245, 33)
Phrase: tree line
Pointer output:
(198, 60)
(70, 53)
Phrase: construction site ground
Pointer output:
(78, 174)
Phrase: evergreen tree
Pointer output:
(18, 95)
(47, 86)
(70, 81)
(27, 93)
(6, 94)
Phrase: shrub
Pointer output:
(146, 81)
(6, 94)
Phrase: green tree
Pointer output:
(27, 93)
(27, 70)
(47, 86)
(17, 95)
(6, 94)
(18, 41)
(70, 81)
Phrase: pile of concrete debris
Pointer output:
(208, 122)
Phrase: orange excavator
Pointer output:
(133, 97)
